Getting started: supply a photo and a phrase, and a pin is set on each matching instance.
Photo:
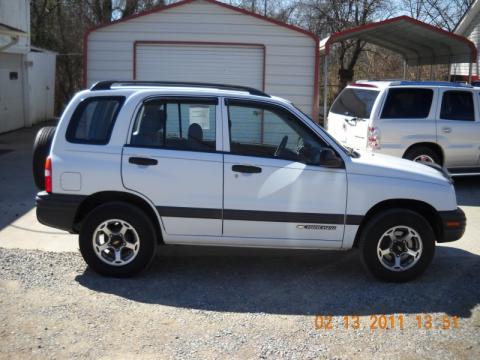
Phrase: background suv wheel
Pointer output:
(117, 239)
(423, 154)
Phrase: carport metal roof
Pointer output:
(419, 43)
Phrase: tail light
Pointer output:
(373, 141)
(48, 175)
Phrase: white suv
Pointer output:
(436, 122)
(136, 165)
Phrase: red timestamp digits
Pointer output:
(427, 322)
(387, 322)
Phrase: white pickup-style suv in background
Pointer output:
(136, 165)
(435, 122)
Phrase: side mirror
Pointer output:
(330, 159)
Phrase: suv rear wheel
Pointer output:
(397, 245)
(117, 239)
(423, 154)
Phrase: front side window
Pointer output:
(407, 103)
(457, 105)
(180, 124)
(268, 131)
(93, 120)
(355, 102)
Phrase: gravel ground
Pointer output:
(232, 303)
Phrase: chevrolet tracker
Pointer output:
(135, 165)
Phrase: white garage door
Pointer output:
(232, 64)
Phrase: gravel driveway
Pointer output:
(232, 303)
(221, 303)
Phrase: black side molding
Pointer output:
(256, 215)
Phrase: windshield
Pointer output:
(347, 150)
(355, 102)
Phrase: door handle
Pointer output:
(248, 169)
(142, 161)
(446, 130)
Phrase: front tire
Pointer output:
(397, 245)
(117, 239)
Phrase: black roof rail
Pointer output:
(107, 85)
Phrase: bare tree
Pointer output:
(327, 17)
(441, 13)
(60, 25)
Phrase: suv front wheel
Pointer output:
(117, 239)
(397, 245)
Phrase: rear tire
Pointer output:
(423, 154)
(117, 239)
(41, 149)
(387, 254)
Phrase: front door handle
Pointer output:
(142, 161)
(446, 130)
(248, 169)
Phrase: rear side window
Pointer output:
(355, 102)
(407, 103)
(178, 124)
(457, 105)
(93, 120)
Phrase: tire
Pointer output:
(418, 152)
(141, 235)
(379, 231)
(41, 149)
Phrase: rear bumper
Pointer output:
(58, 210)
(453, 225)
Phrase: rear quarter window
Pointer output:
(407, 103)
(93, 119)
(355, 102)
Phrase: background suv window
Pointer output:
(176, 124)
(93, 120)
(407, 103)
(259, 129)
(457, 105)
(355, 102)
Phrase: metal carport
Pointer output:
(418, 43)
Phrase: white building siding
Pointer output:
(41, 77)
(289, 55)
(16, 14)
(11, 90)
(473, 34)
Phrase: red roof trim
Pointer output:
(227, 6)
(334, 37)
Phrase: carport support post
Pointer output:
(325, 89)
(470, 72)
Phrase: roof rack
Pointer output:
(107, 85)
(433, 83)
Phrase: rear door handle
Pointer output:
(446, 130)
(249, 169)
(142, 161)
